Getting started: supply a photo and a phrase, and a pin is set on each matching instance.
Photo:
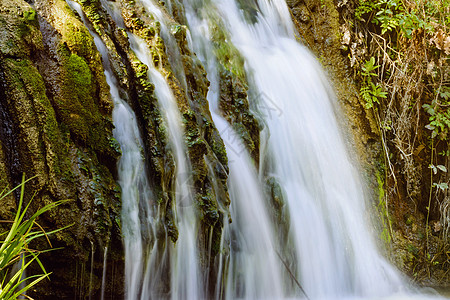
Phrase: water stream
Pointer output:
(330, 250)
(334, 255)
(254, 270)
(105, 260)
(184, 253)
(137, 216)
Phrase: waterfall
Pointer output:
(141, 268)
(329, 248)
(333, 253)
(137, 216)
(184, 254)
(254, 269)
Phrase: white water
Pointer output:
(143, 282)
(136, 193)
(186, 278)
(334, 256)
(172, 50)
(105, 260)
(137, 216)
(253, 269)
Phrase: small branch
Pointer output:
(292, 275)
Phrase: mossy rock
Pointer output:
(78, 105)
(19, 30)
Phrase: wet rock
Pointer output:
(54, 104)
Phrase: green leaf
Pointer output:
(442, 168)
(433, 167)
(430, 127)
(429, 109)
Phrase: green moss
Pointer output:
(91, 8)
(235, 107)
(148, 32)
(243, 132)
(155, 57)
(208, 209)
(26, 77)
(218, 147)
(113, 143)
(23, 29)
(141, 73)
(19, 32)
(78, 39)
(77, 92)
(29, 20)
(386, 233)
(81, 74)
(30, 15)
(104, 191)
(225, 51)
(159, 43)
(138, 23)
(77, 104)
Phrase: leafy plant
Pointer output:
(411, 40)
(385, 13)
(444, 93)
(14, 249)
(439, 115)
(388, 15)
(391, 15)
(364, 7)
(370, 92)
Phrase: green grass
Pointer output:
(15, 254)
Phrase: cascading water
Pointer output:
(135, 192)
(137, 216)
(253, 267)
(142, 282)
(184, 254)
(330, 250)
(169, 40)
(334, 251)
(334, 254)
(254, 270)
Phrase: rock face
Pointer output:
(56, 125)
